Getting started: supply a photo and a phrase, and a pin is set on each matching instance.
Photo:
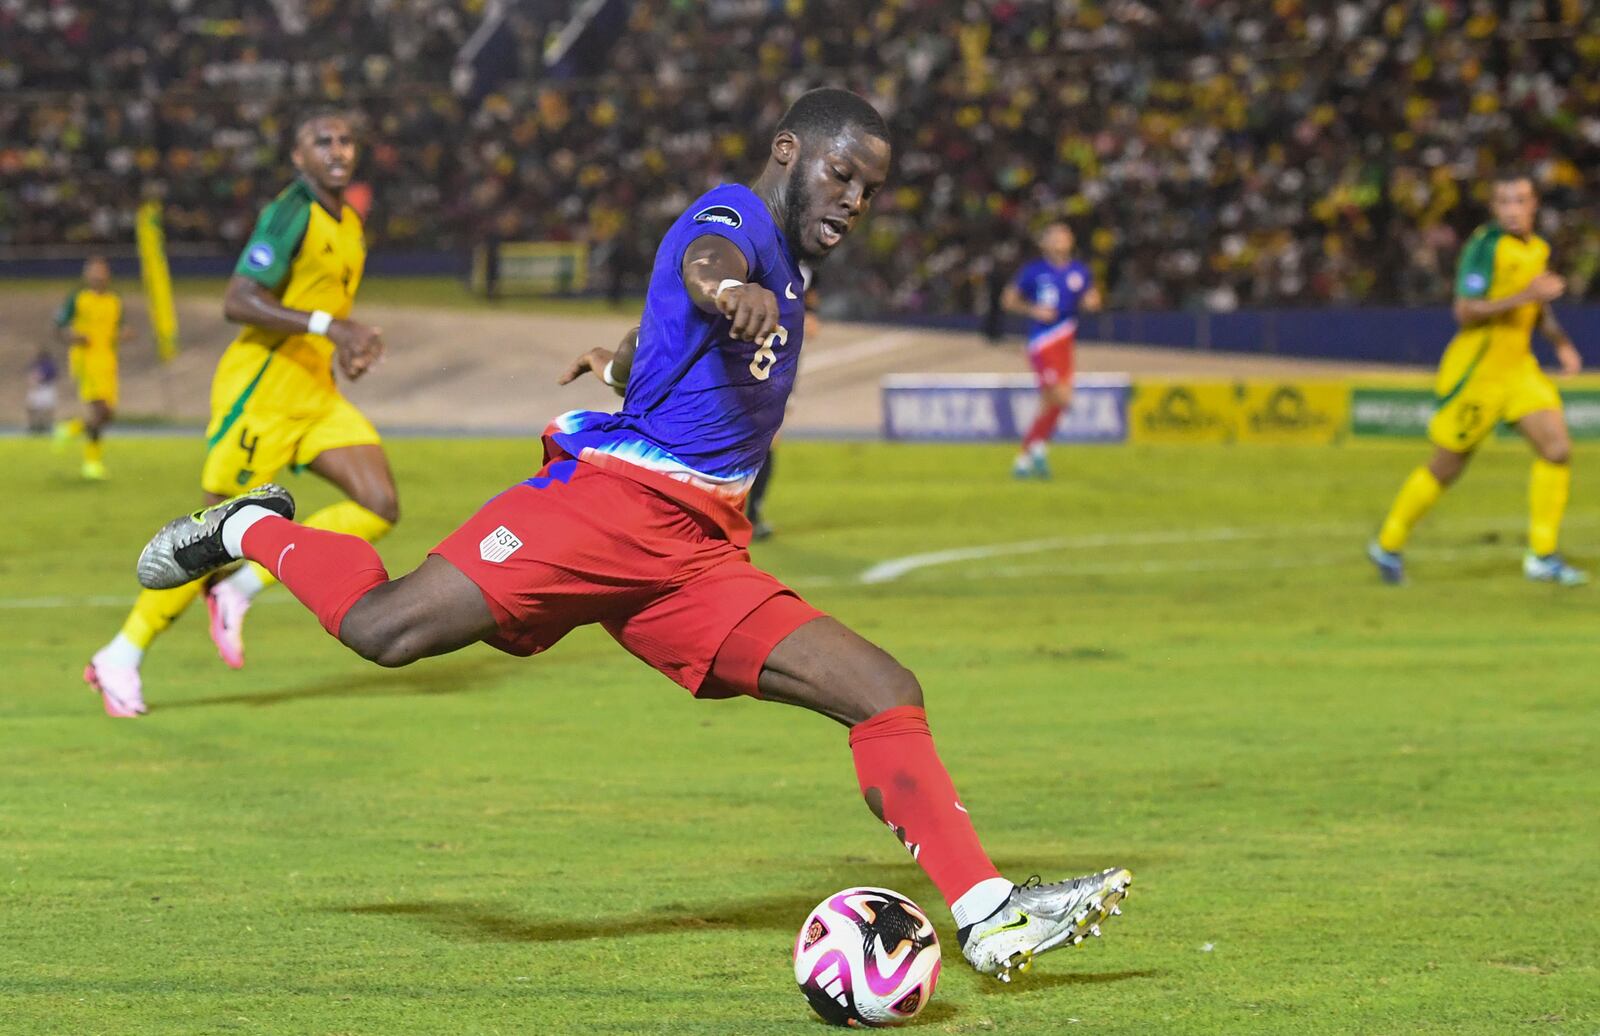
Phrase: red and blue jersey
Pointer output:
(1062, 288)
(701, 407)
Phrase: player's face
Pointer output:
(1056, 243)
(325, 152)
(831, 184)
(1514, 205)
(97, 274)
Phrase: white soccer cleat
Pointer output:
(1037, 918)
(227, 606)
(120, 686)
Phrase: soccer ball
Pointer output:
(867, 956)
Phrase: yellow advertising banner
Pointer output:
(1182, 411)
(1293, 411)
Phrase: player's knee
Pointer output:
(892, 687)
(384, 639)
(382, 501)
(1557, 451)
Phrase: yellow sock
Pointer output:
(71, 428)
(346, 516)
(155, 610)
(1420, 492)
(93, 451)
(1547, 502)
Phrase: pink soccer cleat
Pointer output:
(226, 607)
(119, 686)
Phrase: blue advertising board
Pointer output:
(998, 408)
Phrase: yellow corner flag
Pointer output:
(157, 279)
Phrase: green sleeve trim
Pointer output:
(1475, 273)
(68, 309)
(271, 249)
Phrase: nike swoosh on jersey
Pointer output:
(788, 291)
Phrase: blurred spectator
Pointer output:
(1218, 154)
(43, 377)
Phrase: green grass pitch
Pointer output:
(1349, 808)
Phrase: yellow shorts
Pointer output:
(255, 433)
(95, 371)
(1469, 413)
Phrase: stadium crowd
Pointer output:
(1218, 154)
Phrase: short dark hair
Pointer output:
(1513, 173)
(321, 111)
(828, 112)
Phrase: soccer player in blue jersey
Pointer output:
(1050, 291)
(634, 523)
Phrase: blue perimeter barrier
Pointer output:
(1372, 334)
(991, 407)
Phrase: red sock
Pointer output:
(328, 571)
(906, 785)
(1043, 427)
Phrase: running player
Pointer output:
(90, 322)
(634, 523)
(274, 400)
(1489, 374)
(1049, 291)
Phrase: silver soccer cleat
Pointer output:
(189, 547)
(1039, 918)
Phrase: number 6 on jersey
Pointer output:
(762, 362)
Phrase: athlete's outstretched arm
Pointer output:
(1567, 354)
(248, 302)
(709, 263)
(610, 366)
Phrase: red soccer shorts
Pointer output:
(577, 544)
(1051, 356)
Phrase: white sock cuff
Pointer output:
(122, 652)
(981, 900)
(238, 524)
(247, 580)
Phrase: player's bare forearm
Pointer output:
(357, 346)
(1011, 301)
(248, 302)
(709, 264)
(1545, 287)
(1551, 328)
(617, 363)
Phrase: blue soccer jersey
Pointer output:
(702, 407)
(1060, 287)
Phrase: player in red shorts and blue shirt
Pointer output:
(634, 523)
(1050, 291)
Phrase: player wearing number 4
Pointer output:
(1050, 291)
(274, 399)
(634, 524)
(1489, 374)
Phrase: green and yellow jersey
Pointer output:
(94, 315)
(274, 401)
(1489, 373)
(311, 259)
(1494, 265)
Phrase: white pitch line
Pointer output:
(888, 571)
(895, 568)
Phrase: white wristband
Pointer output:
(606, 377)
(319, 323)
(731, 282)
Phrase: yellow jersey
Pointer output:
(96, 316)
(1495, 265)
(310, 258)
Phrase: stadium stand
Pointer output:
(1233, 155)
